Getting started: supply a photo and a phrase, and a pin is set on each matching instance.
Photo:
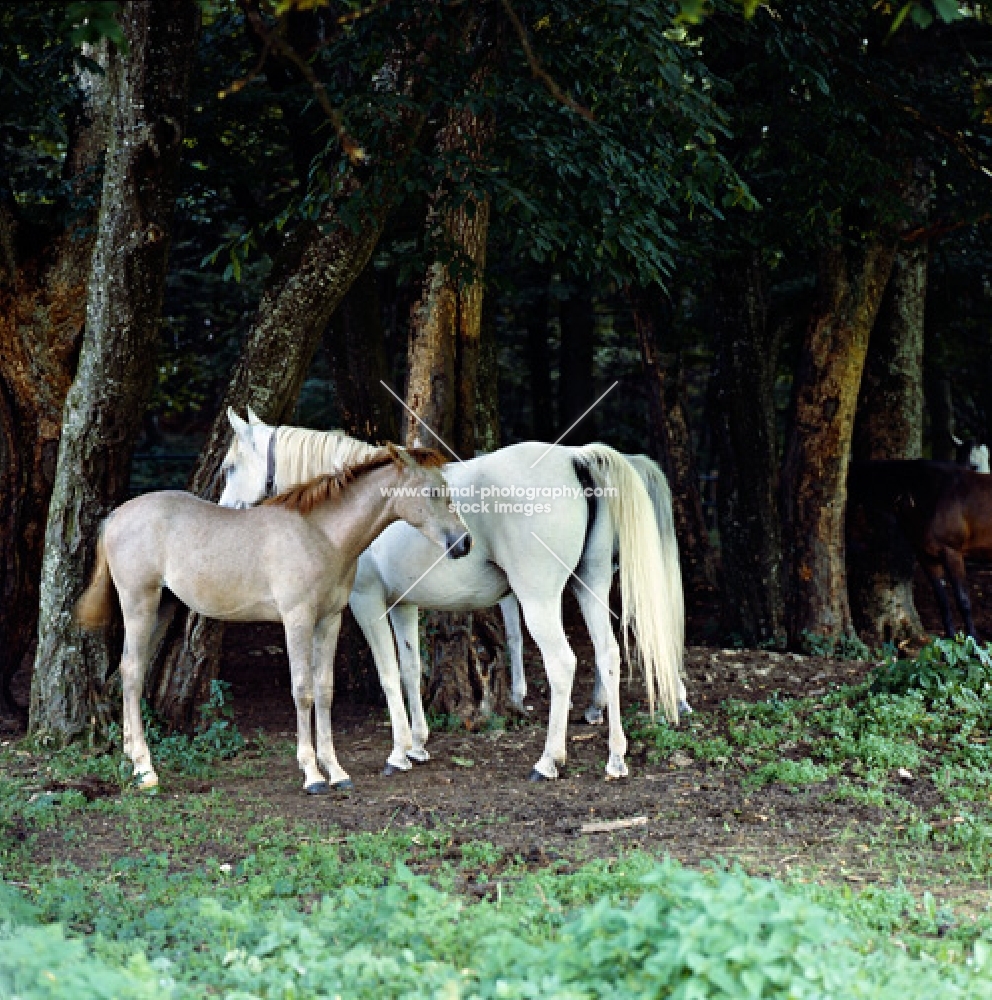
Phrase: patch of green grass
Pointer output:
(630, 928)
(789, 772)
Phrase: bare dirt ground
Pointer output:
(476, 785)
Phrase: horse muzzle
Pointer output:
(459, 546)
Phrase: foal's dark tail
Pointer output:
(93, 609)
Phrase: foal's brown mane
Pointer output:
(306, 496)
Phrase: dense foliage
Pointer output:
(681, 934)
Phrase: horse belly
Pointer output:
(226, 582)
(225, 603)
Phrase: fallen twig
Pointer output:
(608, 826)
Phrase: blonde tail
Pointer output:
(650, 577)
(94, 607)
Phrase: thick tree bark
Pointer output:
(466, 666)
(889, 425)
(42, 311)
(317, 268)
(672, 448)
(149, 87)
(814, 477)
(746, 446)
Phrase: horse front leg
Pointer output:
(954, 563)
(325, 644)
(300, 646)
(370, 613)
(406, 626)
(935, 574)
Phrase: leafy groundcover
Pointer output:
(684, 935)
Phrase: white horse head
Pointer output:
(246, 465)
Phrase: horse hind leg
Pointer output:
(140, 617)
(596, 612)
(510, 607)
(954, 564)
(935, 574)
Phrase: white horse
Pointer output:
(527, 547)
(291, 560)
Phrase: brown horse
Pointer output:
(945, 512)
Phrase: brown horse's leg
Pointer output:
(935, 574)
(954, 563)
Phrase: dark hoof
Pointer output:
(344, 786)
(389, 770)
(318, 788)
(536, 775)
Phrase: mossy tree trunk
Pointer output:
(149, 86)
(814, 477)
(42, 312)
(466, 665)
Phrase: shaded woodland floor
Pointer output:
(475, 787)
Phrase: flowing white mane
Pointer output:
(302, 455)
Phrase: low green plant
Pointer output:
(633, 929)
(846, 647)
(217, 737)
(944, 668)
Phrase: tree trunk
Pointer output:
(104, 407)
(466, 664)
(317, 268)
(42, 311)
(814, 477)
(672, 448)
(746, 446)
(889, 425)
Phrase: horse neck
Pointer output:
(303, 454)
(359, 513)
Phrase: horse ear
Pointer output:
(253, 417)
(241, 428)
